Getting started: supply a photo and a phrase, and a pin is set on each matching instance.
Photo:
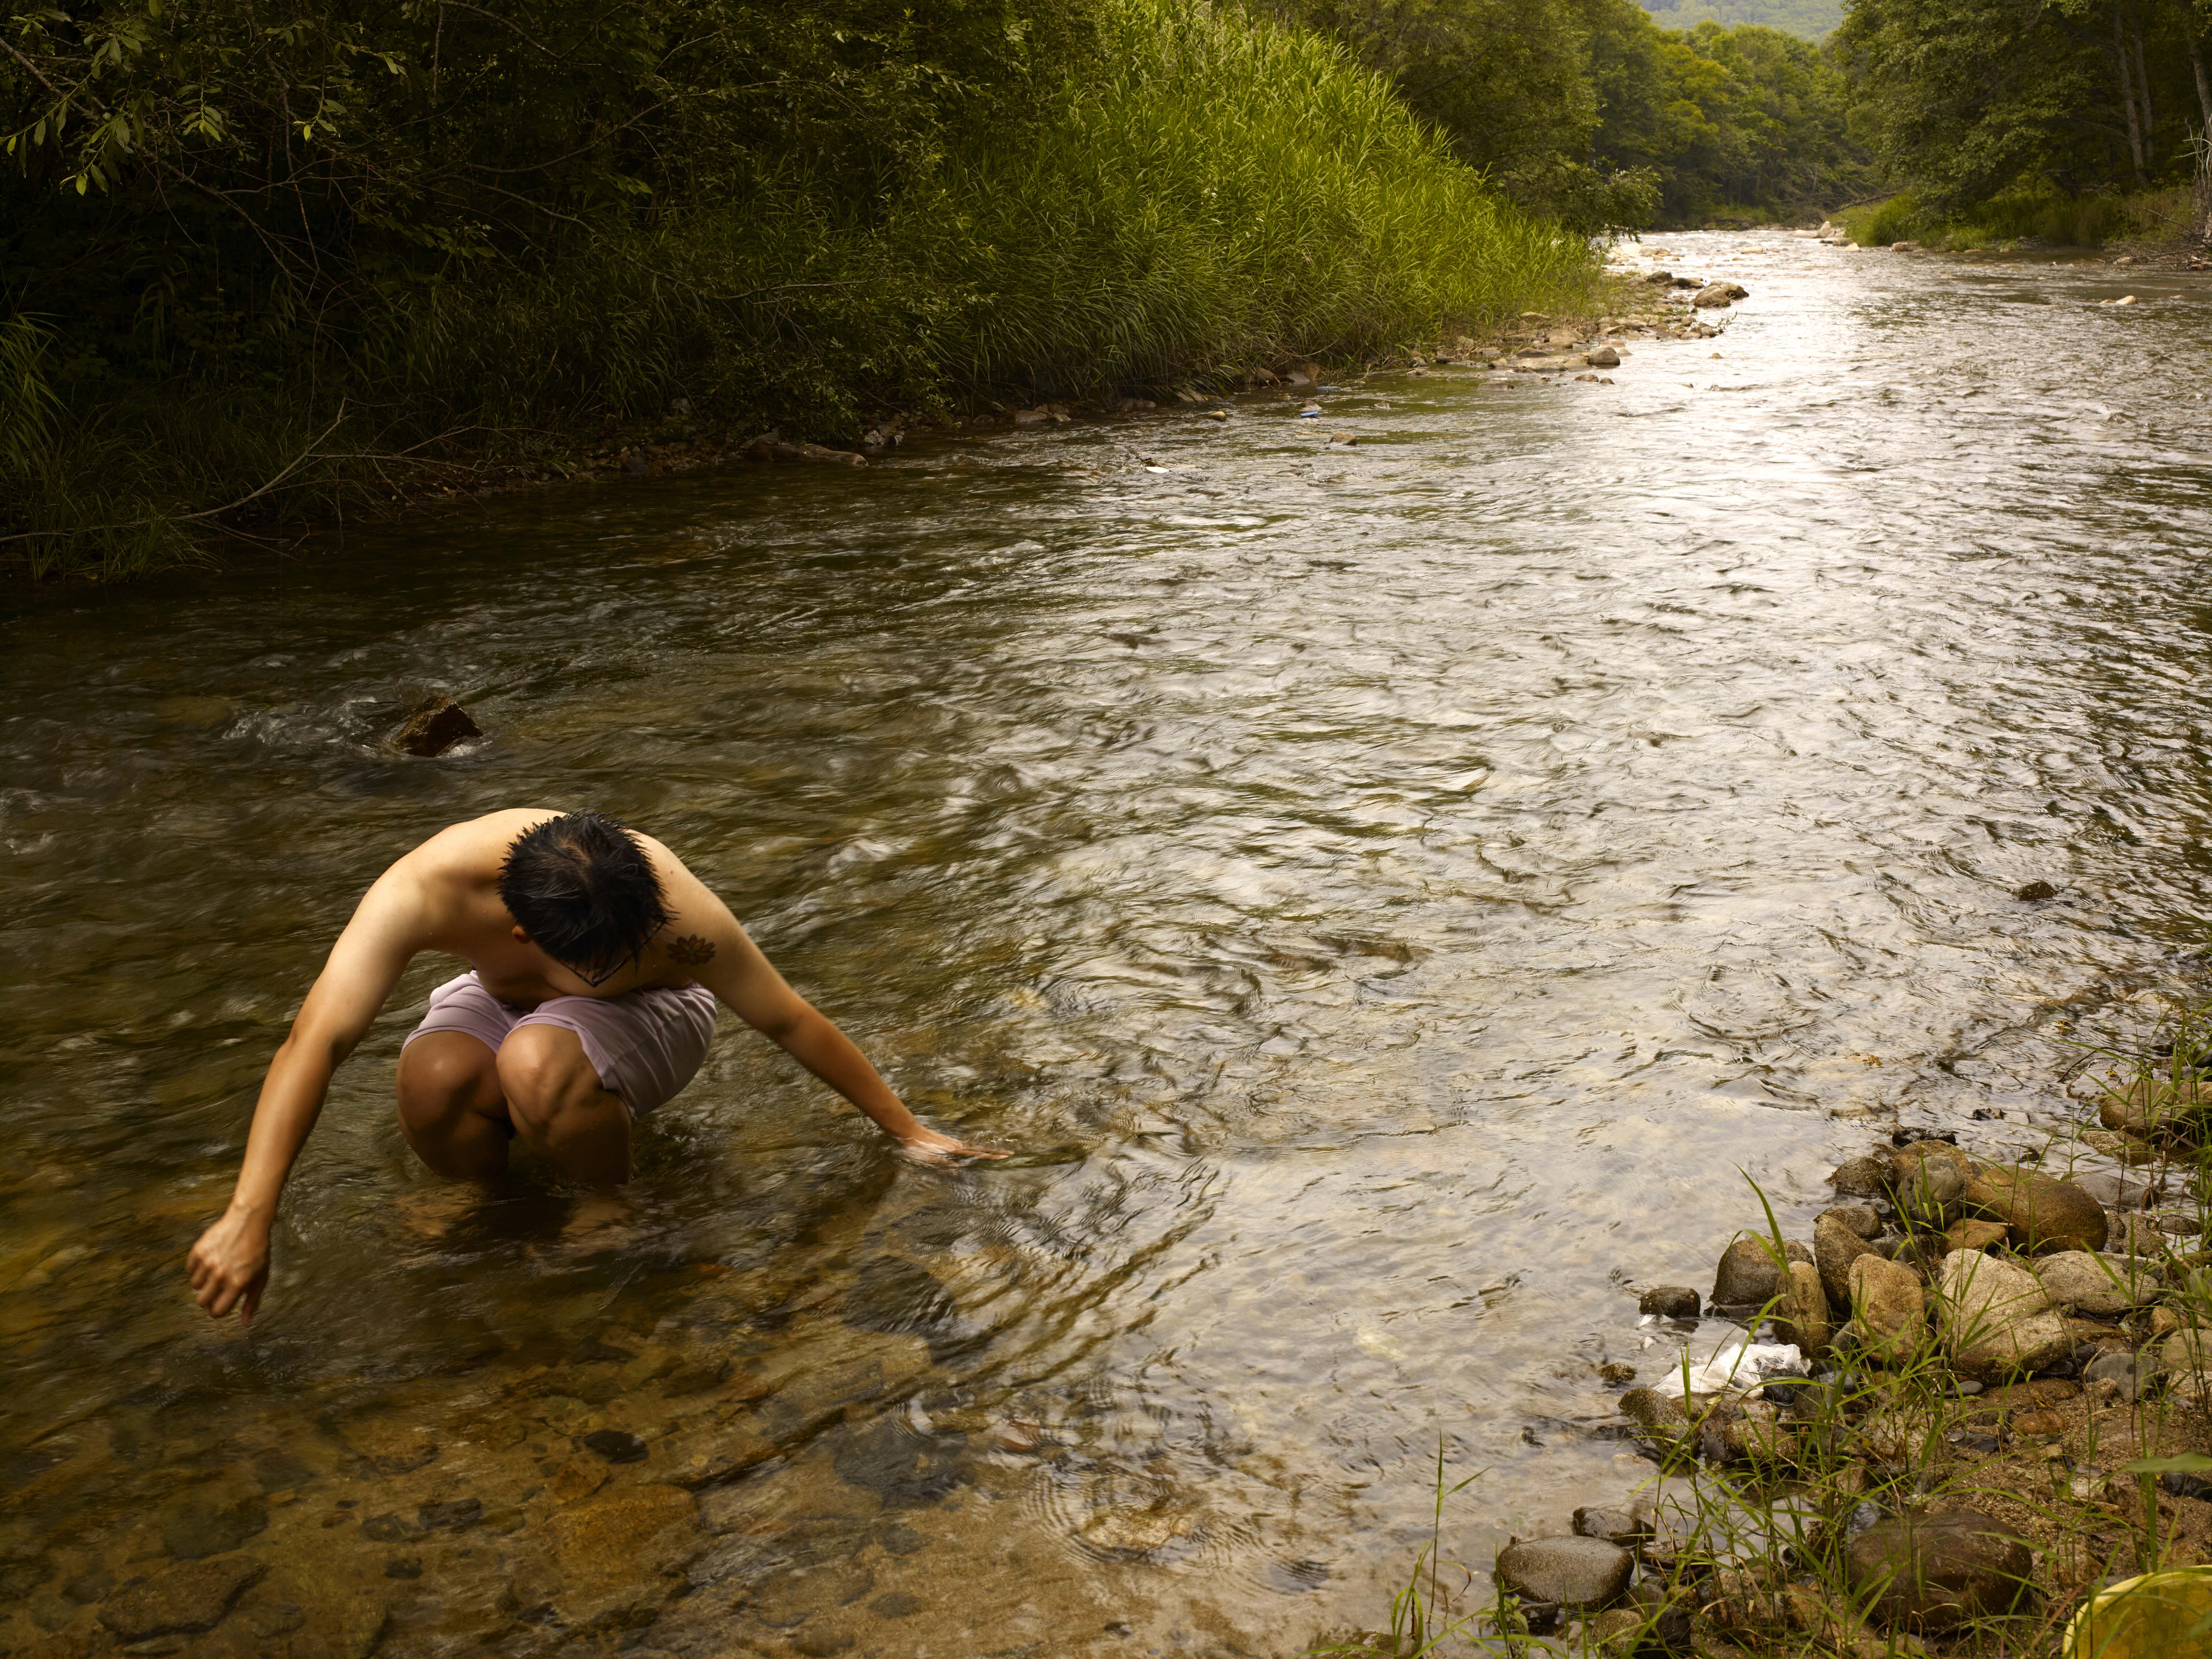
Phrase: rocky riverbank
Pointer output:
(1972, 1403)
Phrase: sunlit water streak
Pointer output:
(1385, 894)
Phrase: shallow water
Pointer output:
(1385, 895)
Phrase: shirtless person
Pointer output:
(597, 959)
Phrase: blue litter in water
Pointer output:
(1309, 414)
(1329, 388)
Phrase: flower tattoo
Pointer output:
(690, 950)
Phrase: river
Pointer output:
(1386, 895)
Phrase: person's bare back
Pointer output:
(595, 958)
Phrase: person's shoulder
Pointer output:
(477, 844)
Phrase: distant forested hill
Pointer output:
(1810, 18)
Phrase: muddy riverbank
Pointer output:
(1385, 889)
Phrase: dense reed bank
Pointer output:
(1051, 198)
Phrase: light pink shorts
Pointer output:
(645, 1045)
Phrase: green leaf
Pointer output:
(2182, 1463)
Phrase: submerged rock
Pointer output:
(1930, 1570)
(1572, 1572)
(1662, 1423)
(624, 1550)
(181, 1600)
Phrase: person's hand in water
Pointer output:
(925, 1145)
(229, 1267)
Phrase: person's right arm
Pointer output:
(229, 1266)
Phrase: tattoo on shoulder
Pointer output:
(690, 950)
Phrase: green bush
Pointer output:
(1190, 191)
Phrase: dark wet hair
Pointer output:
(584, 889)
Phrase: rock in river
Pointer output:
(1860, 1177)
(1748, 1274)
(1835, 1246)
(431, 731)
(1574, 1572)
(1932, 1570)
(1997, 1320)
(1889, 1308)
(1930, 1183)
(1716, 295)
(624, 1550)
(1802, 1317)
(1669, 1302)
(1604, 357)
(2038, 1213)
(190, 1596)
(1662, 1424)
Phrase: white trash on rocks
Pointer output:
(1738, 1363)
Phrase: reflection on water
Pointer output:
(1385, 893)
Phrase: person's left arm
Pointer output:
(707, 942)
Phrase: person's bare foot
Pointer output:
(598, 1221)
(428, 1214)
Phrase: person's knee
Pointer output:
(545, 1081)
(439, 1082)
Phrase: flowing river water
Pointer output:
(1386, 895)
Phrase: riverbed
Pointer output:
(1390, 898)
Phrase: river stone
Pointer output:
(1969, 1234)
(2154, 1104)
(1574, 1572)
(2125, 1373)
(1669, 1302)
(1835, 1246)
(1802, 1317)
(1748, 1274)
(2185, 1357)
(1859, 1218)
(2119, 1189)
(1624, 1528)
(623, 1550)
(180, 1599)
(2039, 1212)
(1861, 1178)
(1604, 357)
(1997, 1320)
(1930, 1184)
(1888, 1308)
(1929, 1571)
(433, 730)
(1716, 295)
(1663, 1425)
(2092, 1284)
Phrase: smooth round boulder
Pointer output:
(1997, 1320)
(1574, 1572)
(1930, 1570)
(2039, 1214)
(1930, 1184)
(2090, 1283)
(1860, 1177)
(1889, 1308)
(1748, 1274)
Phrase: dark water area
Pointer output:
(1385, 894)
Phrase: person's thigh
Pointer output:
(559, 1108)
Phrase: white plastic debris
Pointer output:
(1737, 1363)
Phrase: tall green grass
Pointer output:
(1229, 192)
(2047, 217)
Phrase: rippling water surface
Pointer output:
(1384, 893)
